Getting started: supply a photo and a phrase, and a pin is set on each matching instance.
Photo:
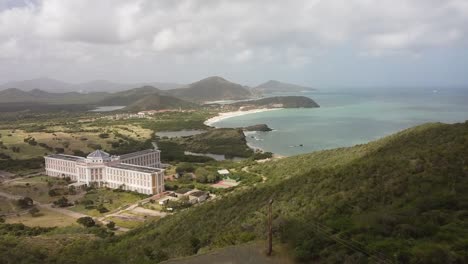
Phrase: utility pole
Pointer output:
(270, 229)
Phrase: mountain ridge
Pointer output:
(273, 86)
(56, 86)
(211, 89)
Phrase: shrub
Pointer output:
(78, 152)
(102, 209)
(86, 221)
(110, 225)
(53, 192)
(59, 150)
(104, 135)
(62, 202)
(34, 211)
(25, 202)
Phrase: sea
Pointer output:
(347, 117)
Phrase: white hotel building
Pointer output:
(139, 171)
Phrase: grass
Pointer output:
(153, 206)
(37, 188)
(130, 224)
(110, 199)
(82, 136)
(45, 218)
(7, 206)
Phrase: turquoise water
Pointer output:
(350, 118)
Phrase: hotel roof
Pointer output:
(134, 168)
(133, 154)
(198, 193)
(66, 157)
(99, 154)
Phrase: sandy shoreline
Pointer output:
(226, 115)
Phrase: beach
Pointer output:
(226, 115)
(222, 116)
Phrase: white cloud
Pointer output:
(239, 31)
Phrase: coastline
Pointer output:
(221, 116)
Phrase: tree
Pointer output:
(25, 202)
(72, 190)
(202, 174)
(86, 221)
(59, 150)
(34, 211)
(185, 167)
(212, 177)
(62, 202)
(104, 135)
(102, 209)
(110, 225)
(53, 192)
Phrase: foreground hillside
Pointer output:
(399, 199)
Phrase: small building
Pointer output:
(223, 172)
(198, 196)
(182, 192)
(164, 201)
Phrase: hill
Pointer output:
(157, 102)
(399, 199)
(278, 102)
(13, 95)
(212, 89)
(129, 97)
(273, 86)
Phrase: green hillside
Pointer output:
(212, 89)
(14, 95)
(157, 101)
(278, 102)
(399, 199)
(273, 86)
(129, 96)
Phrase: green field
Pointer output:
(111, 200)
(7, 206)
(45, 218)
(37, 188)
(84, 138)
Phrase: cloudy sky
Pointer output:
(317, 42)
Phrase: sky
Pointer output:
(319, 43)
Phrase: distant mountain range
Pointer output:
(56, 86)
(143, 98)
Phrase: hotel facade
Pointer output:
(139, 171)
